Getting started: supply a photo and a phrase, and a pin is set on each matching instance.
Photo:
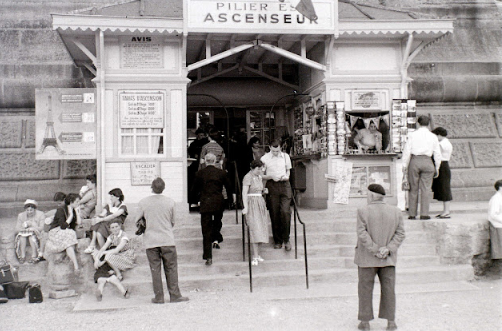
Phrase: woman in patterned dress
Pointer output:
(120, 256)
(257, 216)
(115, 210)
(62, 236)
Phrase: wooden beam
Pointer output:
(219, 73)
(85, 50)
(294, 57)
(272, 78)
(220, 56)
(91, 69)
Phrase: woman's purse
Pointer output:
(405, 186)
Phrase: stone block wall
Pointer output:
(33, 56)
(474, 131)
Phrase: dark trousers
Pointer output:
(168, 256)
(387, 277)
(211, 231)
(279, 207)
(420, 175)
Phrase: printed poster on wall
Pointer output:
(65, 124)
(143, 173)
(141, 109)
(341, 188)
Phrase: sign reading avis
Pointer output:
(262, 16)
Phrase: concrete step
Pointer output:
(239, 267)
(214, 281)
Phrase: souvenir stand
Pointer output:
(329, 129)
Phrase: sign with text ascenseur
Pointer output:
(263, 16)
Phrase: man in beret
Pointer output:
(380, 232)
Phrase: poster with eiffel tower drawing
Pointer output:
(65, 124)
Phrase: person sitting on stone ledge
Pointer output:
(117, 251)
(495, 218)
(30, 224)
(116, 209)
(105, 274)
(62, 236)
(88, 198)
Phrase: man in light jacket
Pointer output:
(380, 232)
(158, 239)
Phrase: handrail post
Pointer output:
(306, 262)
(295, 211)
(249, 262)
(243, 239)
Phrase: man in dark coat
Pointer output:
(209, 183)
(380, 232)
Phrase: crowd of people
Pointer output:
(266, 199)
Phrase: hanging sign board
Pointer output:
(262, 16)
(141, 52)
(141, 109)
(65, 124)
(143, 173)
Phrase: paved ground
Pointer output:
(448, 306)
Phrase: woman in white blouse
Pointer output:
(441, 185)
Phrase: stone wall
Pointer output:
(33, 56)
(465, 241)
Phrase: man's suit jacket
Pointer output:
(378, 225)
(209, 184)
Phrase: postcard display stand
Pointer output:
(311, 136)
(404, 120)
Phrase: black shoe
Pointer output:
(155, 300)
(391, 325)
(180, 299)
(277, 246)
(287, 246)
(425, 217)
(364, 326)
(412, 218)
(209, 261)
(216, 245)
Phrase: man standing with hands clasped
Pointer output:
(277, 169)
(380, 232)
(417, 163)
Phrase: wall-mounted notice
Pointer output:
(141, 109)
(141, 52)
(143, 173)
(65, 124)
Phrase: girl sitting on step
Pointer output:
(117, 251)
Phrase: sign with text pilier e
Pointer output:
(65, 124)
(263, 16)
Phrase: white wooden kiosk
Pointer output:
(141, 53)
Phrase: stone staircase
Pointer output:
(330, 245)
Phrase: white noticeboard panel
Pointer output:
(272, 16)
(141, 109)
(65, 124)
(143, 173)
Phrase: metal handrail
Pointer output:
(297, 216)
(244, 224)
